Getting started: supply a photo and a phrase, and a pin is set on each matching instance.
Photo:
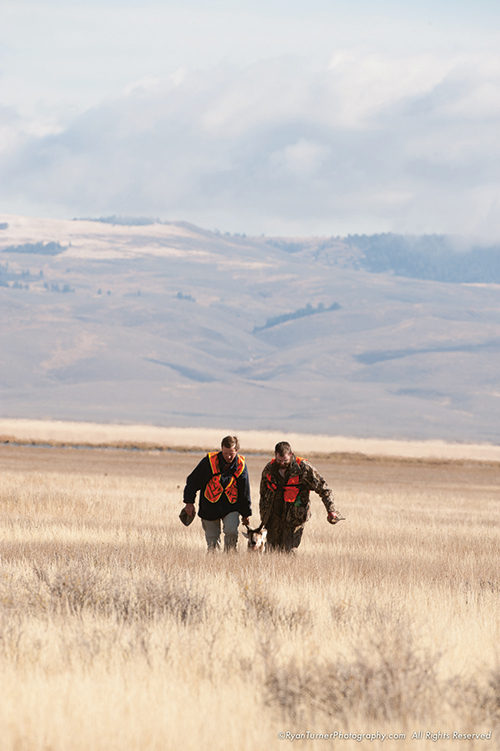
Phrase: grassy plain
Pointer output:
(118, 632)
(66, 433)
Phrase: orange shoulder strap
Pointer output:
(214, 464)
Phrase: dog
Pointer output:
(256, 538)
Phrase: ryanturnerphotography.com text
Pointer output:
(418, 735)
(286, 735)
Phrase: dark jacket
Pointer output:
(201, 476)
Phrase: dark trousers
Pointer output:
(283, 532)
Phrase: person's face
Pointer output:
(283, 461)
(229, 454)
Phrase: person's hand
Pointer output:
(245, 520)
(333, 517)
(190, 510)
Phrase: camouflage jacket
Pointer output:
(272, 487)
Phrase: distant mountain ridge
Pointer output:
(169, 324)
(430, 257)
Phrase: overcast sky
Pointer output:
(257, 116)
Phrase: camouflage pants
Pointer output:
(285, 526)
(288, 539)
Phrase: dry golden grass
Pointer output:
(119, 632)
(61, 433)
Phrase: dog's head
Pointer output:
(256, 539)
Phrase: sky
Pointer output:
(325, 117)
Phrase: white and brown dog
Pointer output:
(256, 538)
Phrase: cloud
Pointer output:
(9, 127)
(367, 143)
(301, 159)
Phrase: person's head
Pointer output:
(230, 447)
(283, 454)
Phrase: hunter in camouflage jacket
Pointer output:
(285, 502)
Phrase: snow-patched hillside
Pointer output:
(173, 325)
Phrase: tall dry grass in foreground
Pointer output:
(119, 632)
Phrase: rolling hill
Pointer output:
(166, 323)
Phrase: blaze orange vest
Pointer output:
(291, 489)
(214, 488)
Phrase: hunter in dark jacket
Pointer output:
(222, 479)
